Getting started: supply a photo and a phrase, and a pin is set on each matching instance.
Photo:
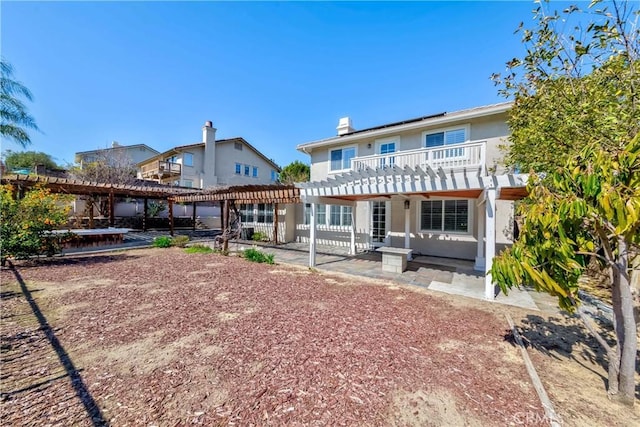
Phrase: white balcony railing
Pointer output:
(470, 156)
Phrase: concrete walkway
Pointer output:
(438, 274)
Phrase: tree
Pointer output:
(14, 117)
(28, 160)
(295, 172)
(26, 224)
(575, 118)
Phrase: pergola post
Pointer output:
(112, 209)
(352, 245)
(407, 227)
(312, 236)
(480, 261)
(225, 225)
(275, 223)
(171, 216)
(145, 215)
(490, 241)
(194, 216)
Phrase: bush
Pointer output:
(259, 236)
(255, 255)
(198, 249)
(180, 241)
(162, 242)
(26, 224)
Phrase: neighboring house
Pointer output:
(117, 153)
(210, 163)
(428, 184)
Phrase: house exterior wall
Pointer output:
(492, 129)
(226, 158)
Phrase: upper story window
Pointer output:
(340, 158)
(247, 169)
(187, 159)
(238, 169)
(384, 147)
(445, 216)
(237, 146)
(274, 175)
(171, 159)
(439, 138)
(255, 172)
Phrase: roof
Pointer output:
(78, 187)
(410, 124)
(181, 148)
(268, 193)
(119, 147)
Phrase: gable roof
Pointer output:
(410, 124)
(119, 147)
(182, 148)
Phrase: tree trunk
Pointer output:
(623, 387)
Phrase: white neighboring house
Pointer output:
(133, 154)
(210, 163)
(431, 184)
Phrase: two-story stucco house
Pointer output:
(210, 163)
(432, 184)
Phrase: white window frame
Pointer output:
(187, 183)
(247, 170)
(467, 135)
(254, 171)
(382, 141)
(348, 147)
(238, 168)
(186, 156)
(470, 217)
(325, 210)
(274, 175)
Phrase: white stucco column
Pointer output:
(490, 241)
(312, 236)
(480, 261)
(352, 244)
(407, 227)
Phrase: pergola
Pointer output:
(383, 183)
(21, 183)
(242, 194)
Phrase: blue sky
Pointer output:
(277, 74)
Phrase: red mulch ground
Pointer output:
(160, 337)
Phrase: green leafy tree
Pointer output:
(14, 117)
(26, 224)
(295, 172)
(28, 160)
(575, 119)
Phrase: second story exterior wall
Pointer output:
(467, 139)
(238, 163)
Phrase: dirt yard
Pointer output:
(160, 337)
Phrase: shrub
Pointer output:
(180, 241)
(198, 249)
(26, 224)
(259, 236)
(255, 255)
(162, 242)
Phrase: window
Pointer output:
(247, 169)
(188, 183)
(338, 215)
(385, 147)
(246, 213)
(171, 159)
(274, 175)
(238, 169)
(341, 158)
(265, 213)
(445, 215)
(187, 159)
(447, 137)
(237, 146)
(255, 171)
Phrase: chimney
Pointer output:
(345, 126)
(115, 144)
(209, 168)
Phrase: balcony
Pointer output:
(161, 170)
(450, 157)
